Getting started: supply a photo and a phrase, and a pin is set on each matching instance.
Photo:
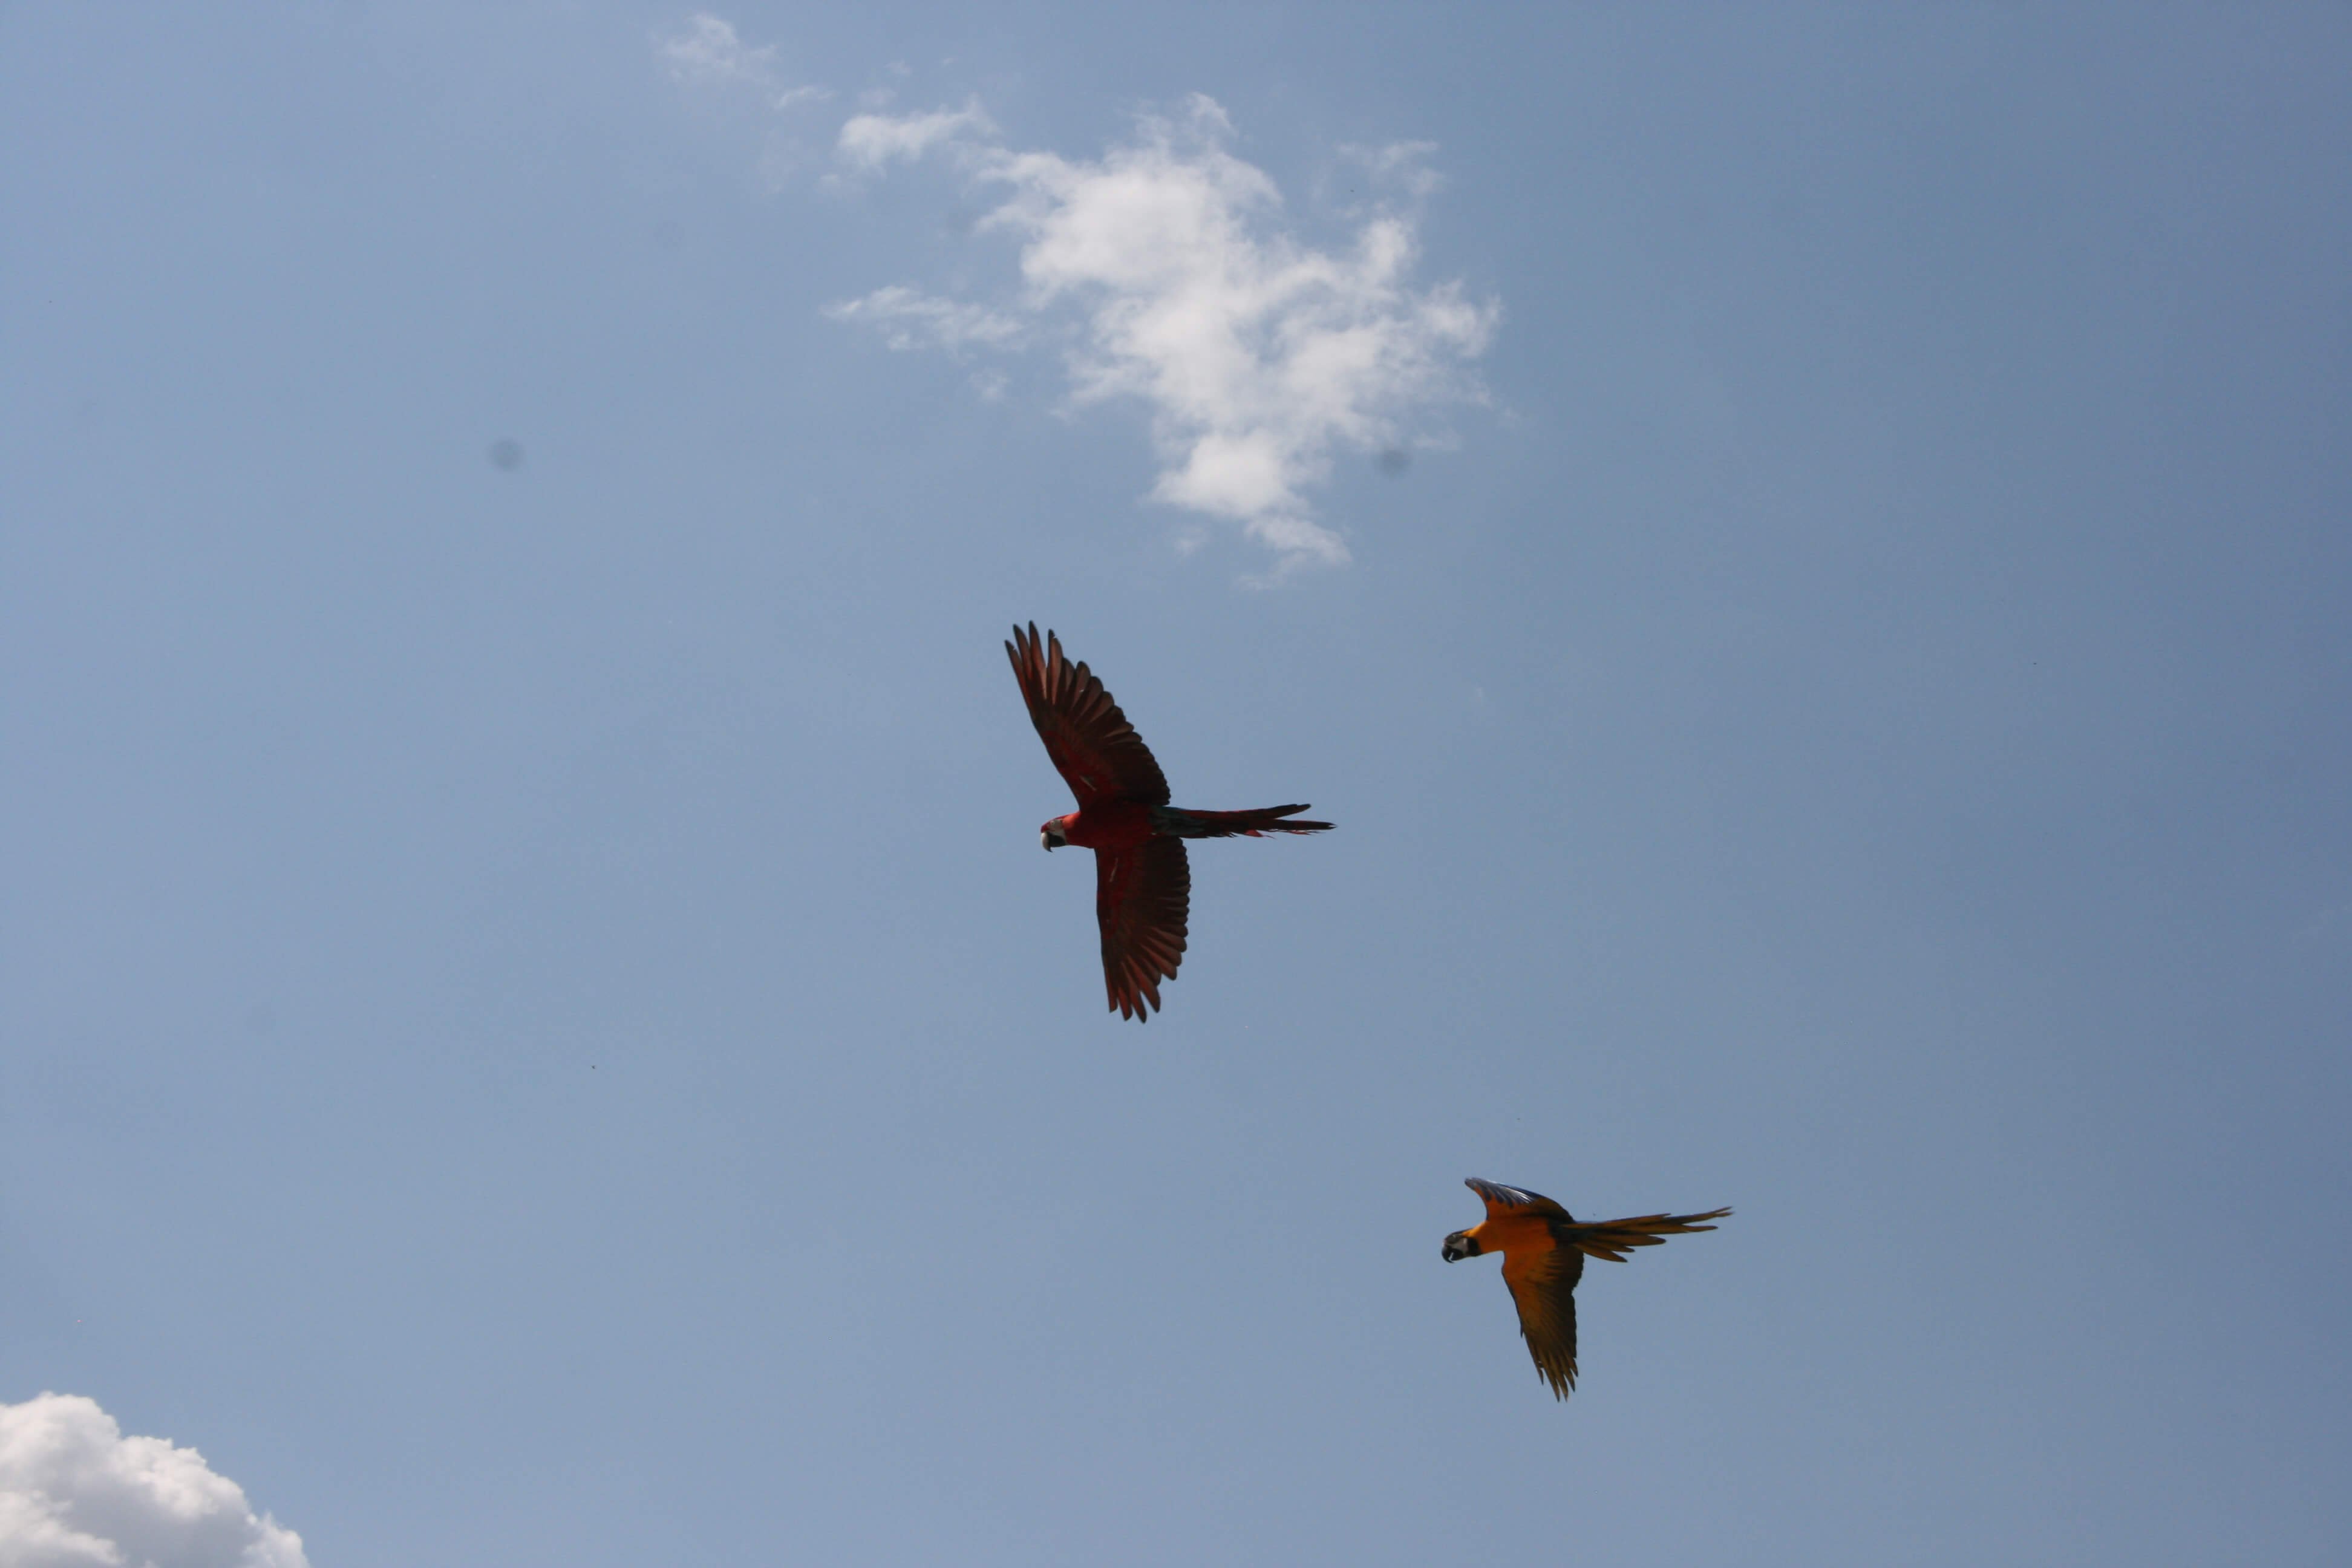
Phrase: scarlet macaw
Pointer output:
(1143, 886)
(1543, 1253)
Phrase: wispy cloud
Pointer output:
(710, 52)
(75, 1491)
(909, 319)
(870, 140)
(1258, 357)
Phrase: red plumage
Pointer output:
(1143, 884)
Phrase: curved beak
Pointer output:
(1047, 840)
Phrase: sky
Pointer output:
(1803, 548)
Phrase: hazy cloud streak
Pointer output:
(906, 315)
(710, 52)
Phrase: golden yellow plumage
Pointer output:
(1544, 1249)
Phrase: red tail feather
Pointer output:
(1183, 823)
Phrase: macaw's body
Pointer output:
(1143, 884)
(1543, 1250)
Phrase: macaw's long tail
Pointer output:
(1612, 1238)
(1179, 823)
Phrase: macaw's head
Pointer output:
(1459, 1246)
(1054, 833)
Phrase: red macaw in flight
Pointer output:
(1143, 886)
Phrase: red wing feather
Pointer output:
(1092, 746)
(1142, 897)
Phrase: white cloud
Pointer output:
(75, 1493)
(1257, 357)
(906, 316)
(1167, 270)
(870, 140)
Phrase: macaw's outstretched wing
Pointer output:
(1094, 747)
(1612, 1238)
(1142, 897)
(1513, 1203)
(1543, 1287)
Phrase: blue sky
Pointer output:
(1805, 552)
